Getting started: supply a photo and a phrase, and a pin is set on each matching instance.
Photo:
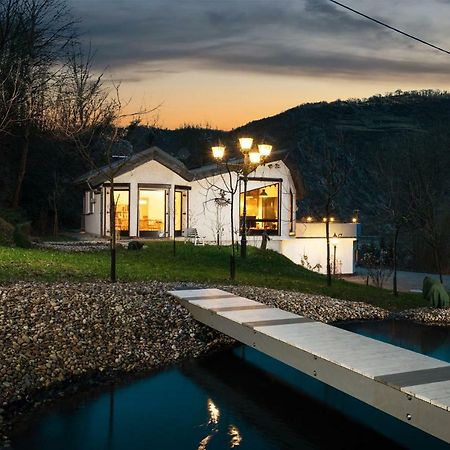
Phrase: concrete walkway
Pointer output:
(409, 386)
(406, 281)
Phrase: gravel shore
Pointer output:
(53, 334)
(429, 316)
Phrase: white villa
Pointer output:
(156, 196)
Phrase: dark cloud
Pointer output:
(287, 37)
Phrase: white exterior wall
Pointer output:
(207, 217)
(310, 241)
(92, 221)
(203, 212)
(316, 251)
(151, 172)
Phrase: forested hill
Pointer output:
(366, 132)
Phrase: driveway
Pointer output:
(406, 281)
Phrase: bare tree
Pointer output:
(334, 175)
(427, 191)
(226, 183)
(394, 212)
(88, 114)
(33, 33)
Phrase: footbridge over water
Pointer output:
(409, 386)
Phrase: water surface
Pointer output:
(237, 398)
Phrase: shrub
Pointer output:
(22, 235)
(6, 233)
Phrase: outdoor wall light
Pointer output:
(334, 240)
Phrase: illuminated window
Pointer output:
(178, 210)
(152, 212)
(263, 205)
(122, 202)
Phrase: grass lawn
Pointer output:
(207, 264)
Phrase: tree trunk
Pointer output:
(233, 250)
(22, 167)
(327, 233)
(244, 222)
(55, 219)
(112, 231)
(394, 261)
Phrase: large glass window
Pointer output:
(178, 211)
(122, 208)
(152, 212)
(262, 209)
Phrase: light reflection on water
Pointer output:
(214, 413)
(236, 437)
(214, 419)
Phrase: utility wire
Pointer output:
(379, 22)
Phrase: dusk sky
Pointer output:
(231, 61)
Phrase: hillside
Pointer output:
(360, 128)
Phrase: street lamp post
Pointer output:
(334, 243)
(253, 157)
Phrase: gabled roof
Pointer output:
(96, 177)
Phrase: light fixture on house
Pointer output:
(354, 220)
(331, 219)
(309, 219)
(263, 193)
(334, 240)
(324, 219)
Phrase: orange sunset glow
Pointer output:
(226, 64)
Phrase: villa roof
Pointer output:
(99, 176)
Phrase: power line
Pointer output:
(379, 22)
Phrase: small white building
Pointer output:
(156, 196)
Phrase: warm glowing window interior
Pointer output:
(152, 210)
(178, 210)
(262, 209)
(122, 202)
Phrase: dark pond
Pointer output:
(234, 399)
